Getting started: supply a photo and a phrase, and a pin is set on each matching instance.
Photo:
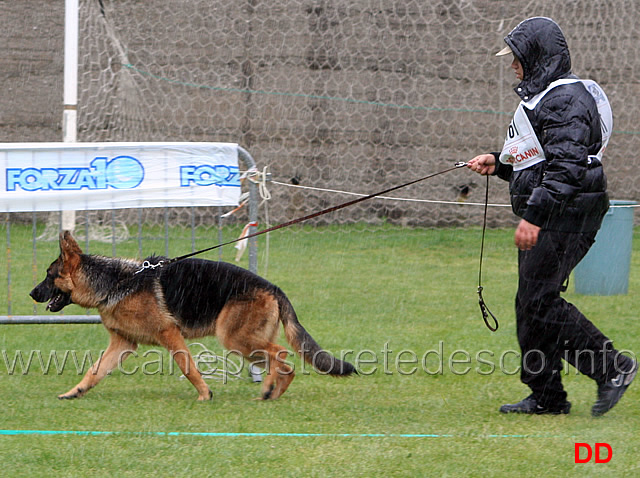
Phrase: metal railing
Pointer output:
(245, 159)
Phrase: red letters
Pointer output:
(598, 458)
(609, 453)
(589, 452)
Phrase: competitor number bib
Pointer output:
(522, 149)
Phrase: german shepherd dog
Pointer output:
(173, 301)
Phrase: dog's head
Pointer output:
(57, 286)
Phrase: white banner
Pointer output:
(85, 176)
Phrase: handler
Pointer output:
(552, 160)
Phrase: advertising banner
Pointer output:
(87, 176)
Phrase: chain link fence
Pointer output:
(350, 96)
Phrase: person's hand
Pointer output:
(526, 235)
(483, 164)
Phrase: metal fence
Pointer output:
(353, 96)
(109, 231)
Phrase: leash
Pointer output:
(486, 313)
(457, 165)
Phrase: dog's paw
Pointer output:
(71, 394)
(267, 394)
(206, 398)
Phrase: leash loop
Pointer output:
(486, 312)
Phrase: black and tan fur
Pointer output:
(181, 300)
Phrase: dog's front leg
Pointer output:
(173, 340)
(119, 349)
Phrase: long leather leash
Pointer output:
(486, 313)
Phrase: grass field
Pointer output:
(402, 302)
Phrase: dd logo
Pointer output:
(589, 453)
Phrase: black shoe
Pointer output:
(530, 406)
(610, 392)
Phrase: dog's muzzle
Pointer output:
(58, 300)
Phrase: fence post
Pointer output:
(250, 164)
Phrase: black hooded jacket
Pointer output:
(567, 191)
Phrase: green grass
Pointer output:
(386, 294)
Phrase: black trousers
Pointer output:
(549, 328)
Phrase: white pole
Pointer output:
(70, 100)
(69, 125)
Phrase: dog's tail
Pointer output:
(306, 346)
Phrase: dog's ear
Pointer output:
(69, 248)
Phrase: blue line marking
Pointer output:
(256, 434)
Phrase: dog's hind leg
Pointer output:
(119, 349)
(279, 373)
(251, 329)
(173, 340)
